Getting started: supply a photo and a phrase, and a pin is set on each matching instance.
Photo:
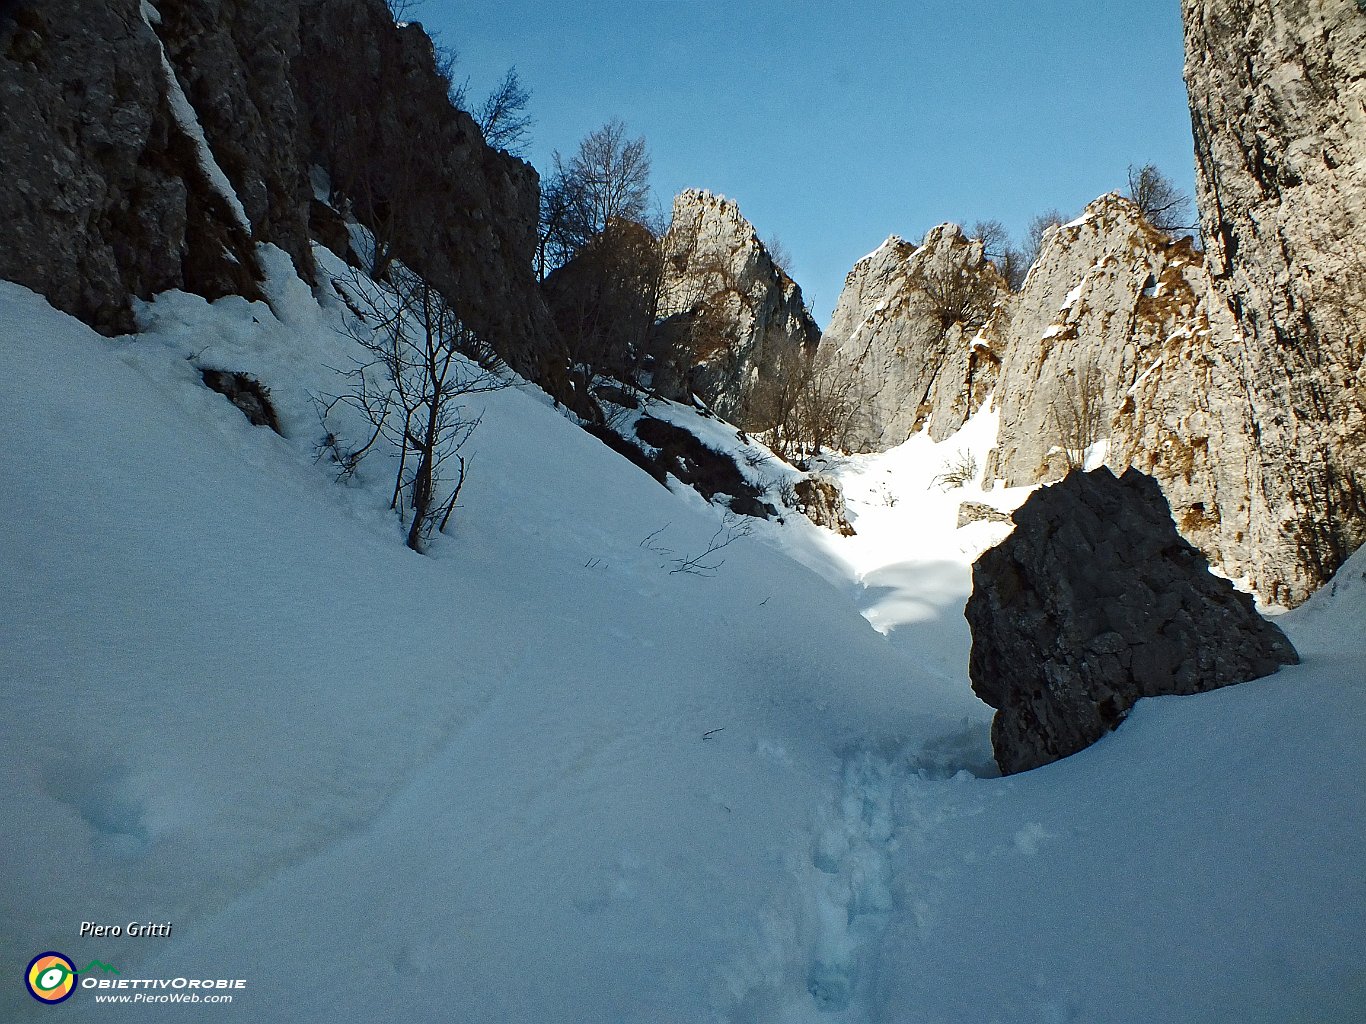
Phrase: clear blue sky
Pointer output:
(835, 125)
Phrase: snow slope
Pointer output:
(536, 776)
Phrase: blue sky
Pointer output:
(837, 124)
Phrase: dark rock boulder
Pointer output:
(709, 472)
(1093, 602)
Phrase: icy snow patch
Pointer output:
(188, 122)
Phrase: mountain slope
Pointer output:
(538, 776)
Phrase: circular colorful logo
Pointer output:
(50, 977)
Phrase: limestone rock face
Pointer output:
(1105, 294)
(907, 324)
(1278, 103)
(1093, 602)
(1118, 340)
(150, 146)
(742, 313)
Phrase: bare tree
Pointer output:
(503, 118)
(606, 303)
(612, 174)
(557, 241)
(402, 10)
(1079, 413)
(607, 179)
(420, 365)
(809, 402)
(829, 404)
(996, 246)
(994, 237)
(1029, 251)
(1164, 205)
(958, 294)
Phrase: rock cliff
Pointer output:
(908, 325)
(1120, 349)
(1278, 103)
(150, 146)
(738, 313)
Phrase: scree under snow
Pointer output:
(535, 776)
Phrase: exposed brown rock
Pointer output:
(820, 499)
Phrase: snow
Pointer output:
(534, 776)
(1073, 296)
(188, 122)
(1142, 377)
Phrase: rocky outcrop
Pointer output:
(732, 313)
(151, 146)
(908, 327)
(820, 499)
(104, 196)
(1105, 294)
(1277, 93)
(464, 215)
(1093, 602)
(670, 450)
(970, 512)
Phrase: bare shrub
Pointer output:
(1079, 414)
(778, 253)
(958, 471)
(708, 561)
(1164, 205)
(809, 401)
(957, 294)
(410, 388)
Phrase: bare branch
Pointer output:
(503, 118)
(1162, 204)
(410, 390)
